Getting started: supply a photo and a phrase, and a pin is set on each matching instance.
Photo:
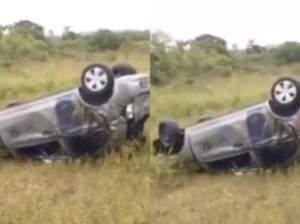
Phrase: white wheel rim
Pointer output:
(95, 79)
(285, 92)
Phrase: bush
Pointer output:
(26, 40)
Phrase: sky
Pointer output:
(267, 22)
(80, 15)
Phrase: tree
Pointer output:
(253, 48)
(209, 42)
(68, 34)
(288, 52)
(26, 27)
(104, 40)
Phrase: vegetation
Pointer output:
(209, 56)
(207, 79)
(25, 40)
(114, 190)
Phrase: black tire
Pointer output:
(99, 95)
(170, 138)
(122, 69)
(288, 103)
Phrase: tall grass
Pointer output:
(113, 191)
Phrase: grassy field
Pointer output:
(115, 190)
(179, 196)
(122, 190)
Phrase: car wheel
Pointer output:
(97, 79)
(97, 83)
(285, 96)
(170, 138)
(123, 69)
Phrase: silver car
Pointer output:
(109, 106)
(263, 135)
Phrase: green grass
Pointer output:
(180, 196)
(115, 190)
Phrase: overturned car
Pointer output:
(264, 135)
(110, 105)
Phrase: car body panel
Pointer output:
(223, 135)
